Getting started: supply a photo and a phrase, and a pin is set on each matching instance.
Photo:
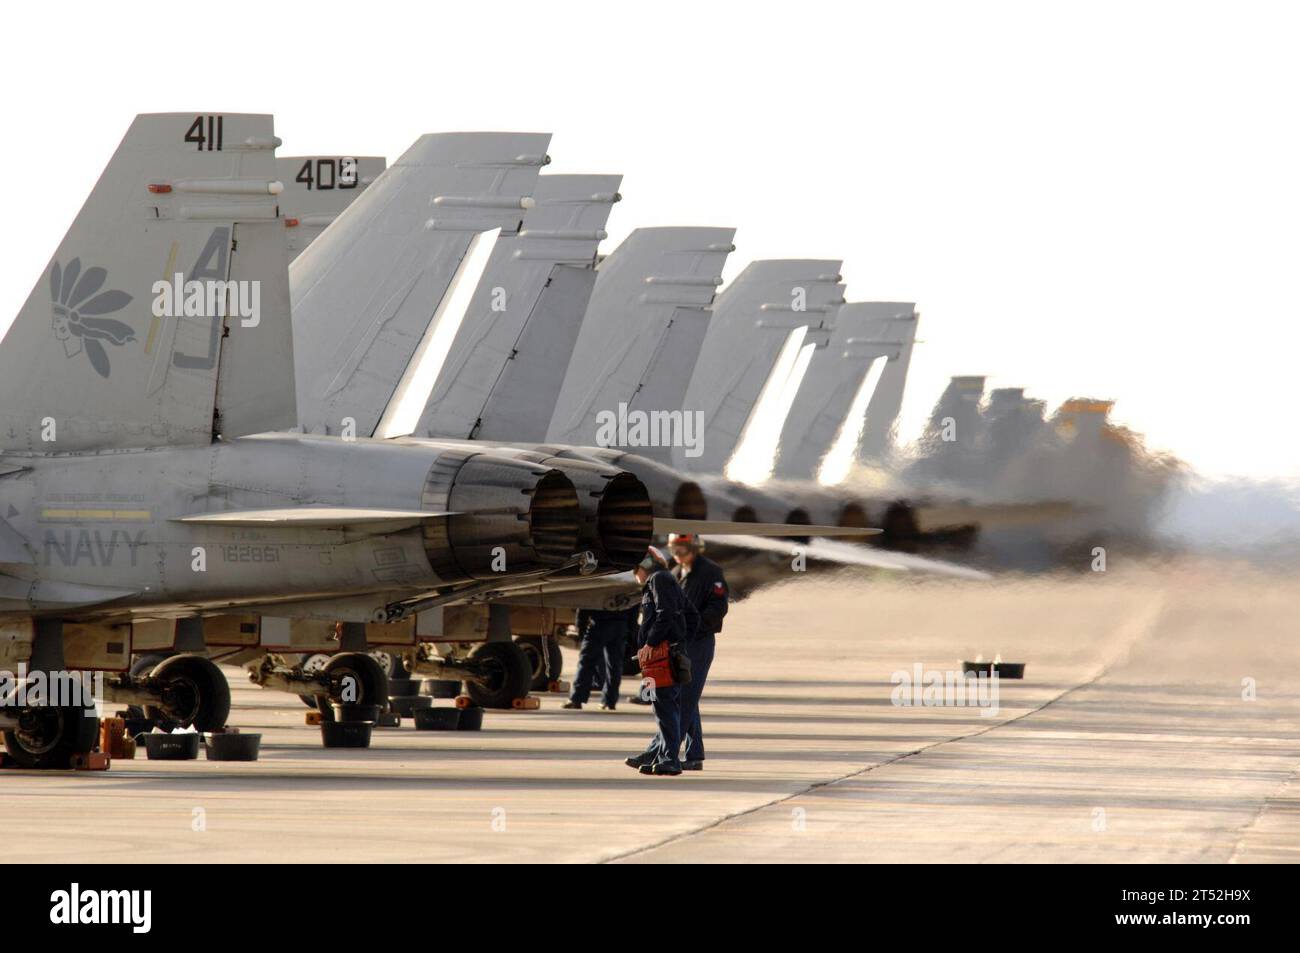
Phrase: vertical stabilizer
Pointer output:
(879, 430)
(949, 446)
(861, 335)
(647, 317)
(172, 275)
(367, 291)
(751, 326)
(502, 376)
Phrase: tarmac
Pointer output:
(1158, 720)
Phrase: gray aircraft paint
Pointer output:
(956, 415)
(367, 289)
(122, 542)
(181, 529)
(645, 323)
(111, 533)
(703, 250)
(87, 354)
(835, 373)
(752, 318)
(1012, 424)
(317, 189)
(878, 432)
(502, 376)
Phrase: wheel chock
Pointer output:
(1000, 669)
(558, 687)
(527, 703)
(313, 718)
(91, 761)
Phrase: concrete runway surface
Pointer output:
(1132, 738)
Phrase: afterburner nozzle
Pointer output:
(509, 516)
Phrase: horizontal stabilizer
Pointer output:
(292, 517)
(665, 524)
(846, 554)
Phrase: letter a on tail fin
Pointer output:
(113, 348)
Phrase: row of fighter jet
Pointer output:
(448, 422)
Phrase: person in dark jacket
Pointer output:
(705, 587)
(604, 634)
(663, 619)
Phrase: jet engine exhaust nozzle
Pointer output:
(509, 517)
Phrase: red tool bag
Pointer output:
(656, 663)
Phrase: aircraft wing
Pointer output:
(846, 554)
(290, 517)
(667, 524)
(621, 590)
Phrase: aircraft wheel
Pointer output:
(140, 668)
(144, 664)
(311, 663)
(507, 675)
(367, 678)
(533, 647)
(48, 736)
(194, 692)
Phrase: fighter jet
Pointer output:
(153, 491)
(500, 293)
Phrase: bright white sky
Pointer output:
(1083, 198)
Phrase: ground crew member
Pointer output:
(705, 588)
(604, 635)
(663, 619)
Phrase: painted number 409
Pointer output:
(325, 174)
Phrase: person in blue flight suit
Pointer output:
(663, 618)
(705, 588)
(604, 635)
